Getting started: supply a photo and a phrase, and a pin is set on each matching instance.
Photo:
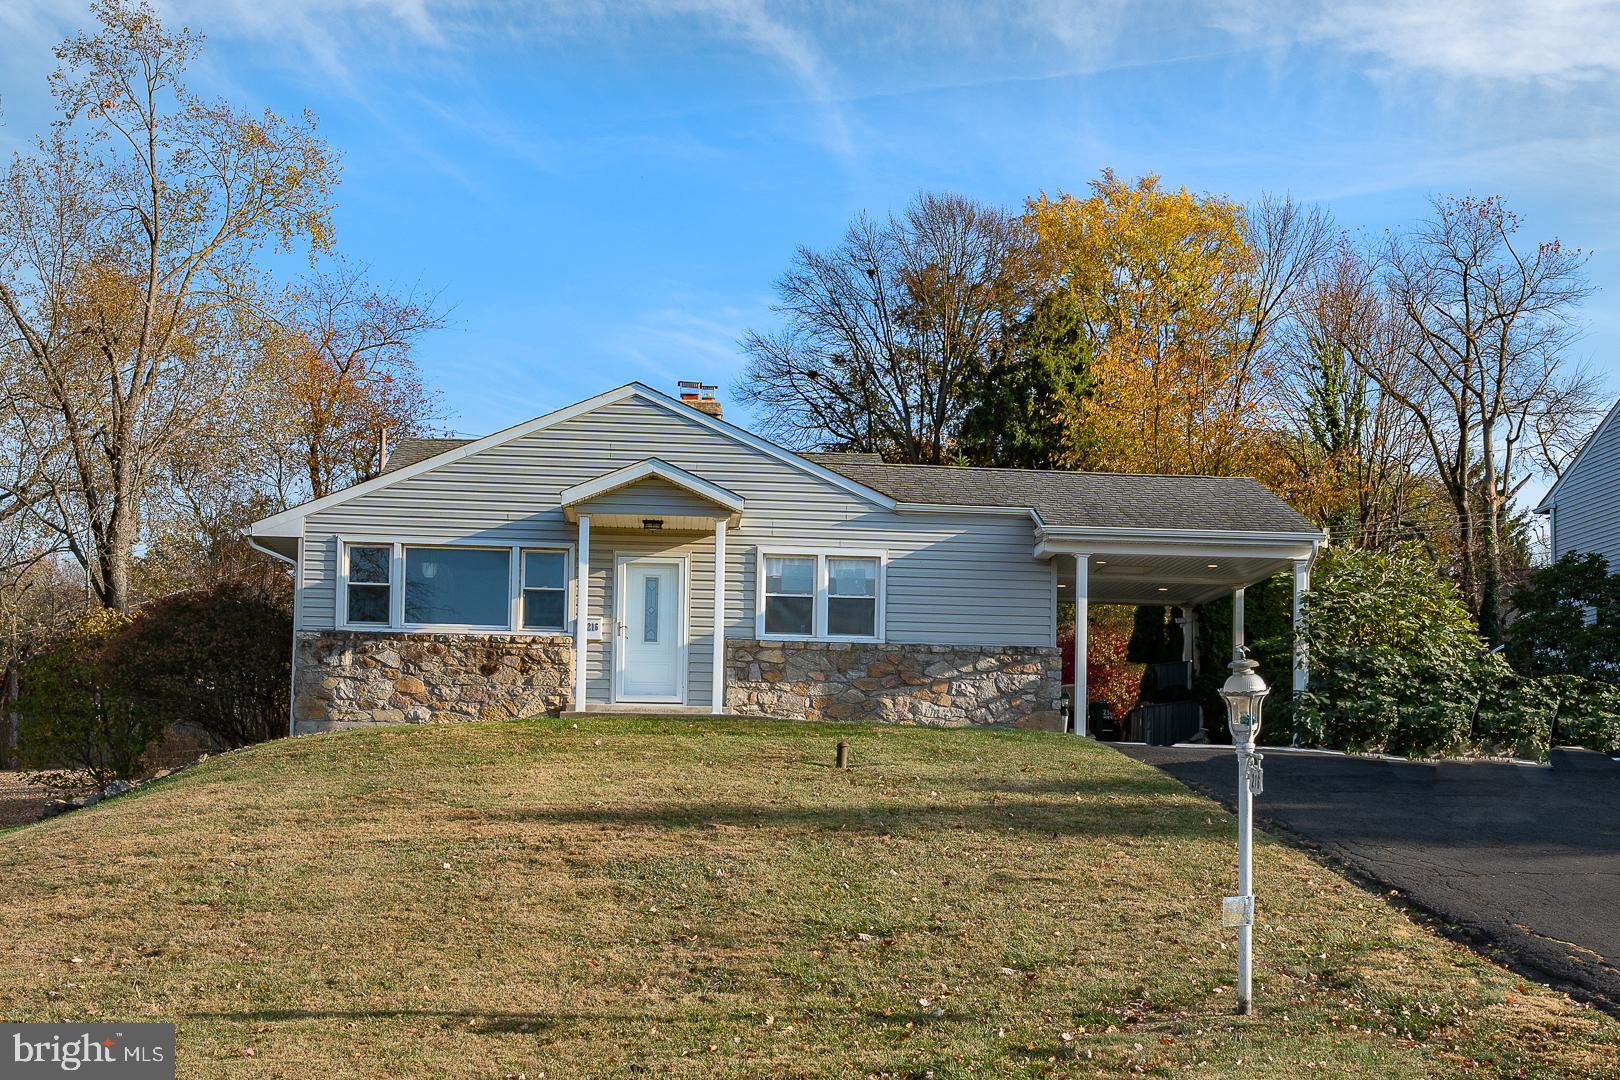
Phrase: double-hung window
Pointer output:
(545, 590)
(829, 596)
(370, 584)
(790, 595)
(852, 597)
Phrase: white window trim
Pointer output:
(396, 588)
(818, 623)
(343, 584)
(519, 588)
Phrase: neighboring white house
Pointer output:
(449, 586)
(1583, 507)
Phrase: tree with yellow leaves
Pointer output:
(1178, 293)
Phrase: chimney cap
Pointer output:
(696, 388)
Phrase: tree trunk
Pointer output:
(8, 709)
(117, 544)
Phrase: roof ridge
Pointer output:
(1047, 472)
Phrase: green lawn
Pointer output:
(684, 898)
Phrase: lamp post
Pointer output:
(1245, 692)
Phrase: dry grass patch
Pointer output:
(682, 898)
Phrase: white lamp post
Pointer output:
(1245, 692)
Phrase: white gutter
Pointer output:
(256, 546)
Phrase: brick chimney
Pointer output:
(701, 397)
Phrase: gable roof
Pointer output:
(290, 522)
(641, 470)
(1087, 499)
(1613, 417)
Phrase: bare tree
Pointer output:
(1288, 244)
(881, 331)
(1489, 322)
(1359, 450)
(126, 257)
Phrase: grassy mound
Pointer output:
(684, 898)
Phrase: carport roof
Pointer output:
(1084, 499)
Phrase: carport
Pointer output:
(1125, 538)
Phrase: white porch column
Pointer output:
(1082, 571)
(582, 593)
(1237, 623)
(1302, 660)
(717, 700)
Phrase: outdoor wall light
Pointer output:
(652, 523)
(1245, 694)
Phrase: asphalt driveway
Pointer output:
(1523, 861)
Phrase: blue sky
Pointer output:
(601, 192)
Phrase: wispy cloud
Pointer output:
(1553, 42)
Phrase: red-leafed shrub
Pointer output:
(1110, 678)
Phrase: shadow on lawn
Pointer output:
(501, 1023)
(1142, 816)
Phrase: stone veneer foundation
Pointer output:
(349, 678)
(940, 685)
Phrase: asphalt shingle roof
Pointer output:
(410, 451)
(1104, 500)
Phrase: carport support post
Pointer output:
(1302, 662)
(582, 592)
(717, 701)
(1082, 569)
(1237, 623)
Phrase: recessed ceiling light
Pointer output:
(1164, 588)
(1213, 565)
(1102, 562)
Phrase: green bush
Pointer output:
(217, 659)
(1588, 713)
(1268, 624)
(80, 720)
(1395, 658)
(1567, 620)
(1516, 714)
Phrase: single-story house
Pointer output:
(452, 585)
(1583, 507)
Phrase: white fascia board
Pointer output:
(1612, 417)
(291, 522)
(1185, 542)
(953, 508)
(641, 470)
(764, 446)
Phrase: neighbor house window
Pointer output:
(370, 587)
(545, 590)
(790, 594)
(458, 586)
(831, 595)
(852, 597)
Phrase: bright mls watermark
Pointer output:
(127, 1051)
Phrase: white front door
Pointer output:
(650, 650)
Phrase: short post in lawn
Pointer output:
(1245, 692)
(841, 755)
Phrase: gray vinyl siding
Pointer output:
(651, 497)
(956, 578)
(1586, 508)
